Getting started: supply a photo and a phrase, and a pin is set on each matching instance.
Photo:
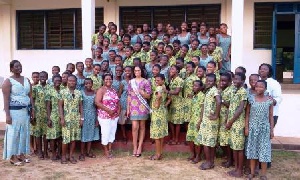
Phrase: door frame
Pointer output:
(286, 8)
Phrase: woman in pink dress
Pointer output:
(108, 106)
(139, 90)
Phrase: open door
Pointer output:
(297, 50)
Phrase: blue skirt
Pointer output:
(17, 134)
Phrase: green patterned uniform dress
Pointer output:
(187, 102)
(55, 131)
(196, 108)
(223, 133)
(159, 122)
(38, 94)
(71, 131)
(97, 82)
(208, 132)
(175, 111)
(237, 136)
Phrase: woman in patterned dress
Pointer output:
(226, 90)
(71, 117)
(236, 123)
(159, 122)
(40, 128)
(188, 91)
(97, 80)
(54, 127)
(149, 66)
(17, 100)
(259, 129)
(209, 122)
(90, 125)
(108, 105)
(117, 82)
(139, 89)
(196, 108)
(175, 111)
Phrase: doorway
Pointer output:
(285, 46)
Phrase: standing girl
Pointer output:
(259, 129)
(106, 49)
(139, 89)
(71, 117)
(97, 80)
(225, 43)
(196, 108)
(108, 105)
(123, 101)
(149, 66)
(184, 36)
(90, 125)
(175, 112)
(120, 50)
(159, 122)
(88, 70)
(209, 122)
(54, 127)
(80, 77)
(236, 123)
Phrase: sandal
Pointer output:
(41, 157)
(226, 164)
(207, 166)
(91, 155)
(63, 161)
(73, 160)
(263, 178)
(23, 158)
(54, 159)
(154, 157)
(195, 161)
(81, 157)
(247, 171)
(110, 156)
(19, 163)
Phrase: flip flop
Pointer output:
(73, 160)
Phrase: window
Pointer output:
(137, 16)
(52, 29)
(263, 25)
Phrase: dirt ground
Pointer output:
(286, 165)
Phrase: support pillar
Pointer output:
(88, 26)
(237, 43)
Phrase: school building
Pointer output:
(45, 33)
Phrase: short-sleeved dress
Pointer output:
(196, 108)
(137, 109)
(86, 73)
(71, 131)
(116, 85)
(237, 135)
(208, 132)
(224, 134)
(148, 68)
(159, 122)
(89, 132)
(39, 94)
(80, 83)
(187, 101)
(176, 109)
(184, 39)
(259, 143)
(204, 62)
(123, 102)
(55, 131)
(224, 43)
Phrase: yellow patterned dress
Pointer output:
(175, 111)
(38, 94)
(187, 101)
(140, 55)
(71, 131)
(172, 61)
(128, 61)
(159, 122)
(55, 131)
(196, 108)
(182, 73)
(223, 133)
(208, 132)
(237, 136)
(97, 82)
(193, 53)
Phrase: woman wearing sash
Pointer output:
(139, 90)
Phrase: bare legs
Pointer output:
(138, 131)
(238, 156)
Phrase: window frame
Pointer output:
(254, 29)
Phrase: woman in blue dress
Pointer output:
(90, 126)
(80, 76)
(259, 129)
(184, 36)
(17, 106)
(134, 37)
(225, 43)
